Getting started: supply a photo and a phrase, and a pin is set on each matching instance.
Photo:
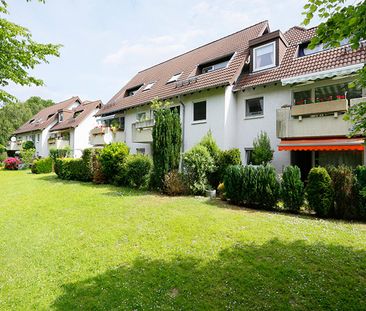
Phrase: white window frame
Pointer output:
(254, 116)
(175, 77)
(148, 86)
(274, 57)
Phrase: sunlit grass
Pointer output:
(78, 246)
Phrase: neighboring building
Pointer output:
(253, 80)
(65, 124)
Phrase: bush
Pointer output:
(87, 158)
(221, 191)
(360, 173)
(27, 156)
(198, 163)
(227, 158)
(233, 182)
(2, 149)
(42, 166)
(138, 170)
(97, 173)
(292, 188)
(249, 189)
(174, 183)
(12, 164)
(268, 188)
(319, 191)
(70, 169)
(346, 193)
(262, 152)
(28, 145)
(3, 156)
(60, 153)
(112, 158)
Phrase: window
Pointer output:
(264, 56)
(132, 91)
(77, 113)
(336, 91)
(140, 150)
(302, 97)
(31, 121)
(214, 65)
(248, 155)
(199, 111)
(60, 116)
(115, 122)
(254, 107)
(50, 116)
(304, 49)
(141, 116)
(174, 77)
(148, 86)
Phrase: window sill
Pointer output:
(254, 117)
(199, 122)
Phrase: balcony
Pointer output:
(15, 145)
(58, 143)
(101, 136)
(142, 131)
(313, 120)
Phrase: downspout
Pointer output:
(183, 132)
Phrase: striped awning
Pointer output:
(340, 71)
(322, 144)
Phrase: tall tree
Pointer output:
(341, 22)
(167, 141)
(14, 115)
(19, 53)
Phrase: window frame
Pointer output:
(254, 116)
(193, 112)
(175, 77)
(273, 43)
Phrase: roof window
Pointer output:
(304, 49)
(50, 116)
(214, 65)
(148, 86)
(175, 77)
(77, 113)
(132, 91)
(264, 56)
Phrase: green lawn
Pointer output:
(78, 246)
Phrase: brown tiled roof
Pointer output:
(45, 117)
(83, 110)
(292, 66)
(187, 64)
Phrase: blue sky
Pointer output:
(105, 43)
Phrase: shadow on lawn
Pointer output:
(275, 275)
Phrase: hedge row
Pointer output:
(337, 192)
(42, 166)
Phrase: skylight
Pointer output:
(214, 65)
(132, 91)
(50, 116)
(148, 86)
(174, 77)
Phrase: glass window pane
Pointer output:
(302, 97)
(199, 111)
(254, 107)
(264, 56)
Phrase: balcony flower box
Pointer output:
(99, 130)
(19, 142)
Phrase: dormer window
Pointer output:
(175, 77)
(77, 113)
(31, 121)
(60, 116)
(50, 116)
(132, 91)
(264, 56)
(214, 65)
(148, 86)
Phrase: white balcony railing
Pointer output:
(142, 131)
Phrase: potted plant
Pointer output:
(210, 193)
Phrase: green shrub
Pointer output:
(319, 191)
(268, 187)
(28, 145)
(27, 156)
(292, 188)
(60, 153)
(249, 186)
(227, 158)
(98, 176)
(2, 149)
(3, 156)
(360, 173)
(198, 163)
(112, 158)
(138, 170)
(42, 166)
(70, 169)
(174, 183)
(262, 152)
(233, 182)
(346, 192)
(87, 158)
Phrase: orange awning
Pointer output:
(324, 144)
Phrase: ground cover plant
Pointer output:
(79, 246)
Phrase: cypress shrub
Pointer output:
(233, 182)
(262, 152)
(292, 188)
(249, 186)
(112, 158)
(319, 191)
(197, 164)
(167, 141)
(268, 187)
(138, 169)
(360, 173)
(42, 166)
(97, 173)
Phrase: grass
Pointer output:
(78, 246)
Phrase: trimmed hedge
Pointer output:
(252, 186)
(319, 191)
(70, 169)
(227, 158)
(42, 166)
(138, 170)
(292, 188)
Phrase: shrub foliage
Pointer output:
(292, 188)
(42, 166)
(174, 183)
(138, 170)
(262, 152)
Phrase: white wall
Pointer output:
(247, 129)
(44, 140)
